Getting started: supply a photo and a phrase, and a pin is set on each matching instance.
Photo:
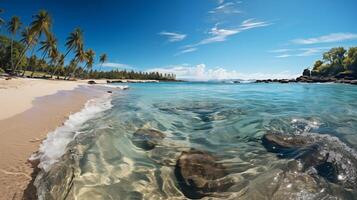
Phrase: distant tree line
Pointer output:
(19, 57)
(124, 74)
(337, 62)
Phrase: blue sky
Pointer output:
(203, 39)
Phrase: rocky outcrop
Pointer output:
(199, 174)
(91, 82)
(147, 139)
(330, 158)
(312, 79)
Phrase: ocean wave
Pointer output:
(121, 87)
(53, 147)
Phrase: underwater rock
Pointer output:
(285, 146)
(58, 181)
(198, 174)
(329, 157)
(147, 139)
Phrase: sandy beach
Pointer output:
(29, 110)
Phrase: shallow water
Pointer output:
(225, 120)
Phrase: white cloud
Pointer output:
(115, 65)
(253, 23)
(218, 35)
(333, 37)
(280, 50)
(221, 34)
(300, 52)
(283, 56)
(201, 73)
(173, 37)
(226, 8)
(188, 50)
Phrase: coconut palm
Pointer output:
(13, 26)
(42, 24)
(102, 59)
(90, 54)
(2, 21)
(33, 63)
(79, 57)
(60, 63)
(54, 55)
(28, 39)
(71, 68)
(74, 41)
(48, 46)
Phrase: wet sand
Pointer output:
(22, 133)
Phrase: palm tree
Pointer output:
(42, 24)
(70, 68)
(102, 59)
(49, 46)
(54, 55)
(60, 62)
(13, 26)
(90, 54)
(74, 40)
(2, 21)
(79, 58)
(28, 39)
(33, 63)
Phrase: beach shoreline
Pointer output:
(30, 110)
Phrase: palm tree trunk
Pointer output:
(69, 50)
(33, 71)
(74, 71)
(12, 62)
(23, 54)
(23, 74)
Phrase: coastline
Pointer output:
(311, 79)
(33, 109)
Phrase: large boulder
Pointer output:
(199, 174)
(331, 159)
(147, 139)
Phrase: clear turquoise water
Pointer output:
(226, 120)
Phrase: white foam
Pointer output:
(121, 87)
(53, 147)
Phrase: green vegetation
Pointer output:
(36, 54)
(337, 62)
(116, 74)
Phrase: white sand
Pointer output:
(17, 95)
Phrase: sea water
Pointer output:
(93, 155)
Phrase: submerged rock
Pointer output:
(198, 174)
(284, 146)
(58, 181)
(329, 157)
(147, 139)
